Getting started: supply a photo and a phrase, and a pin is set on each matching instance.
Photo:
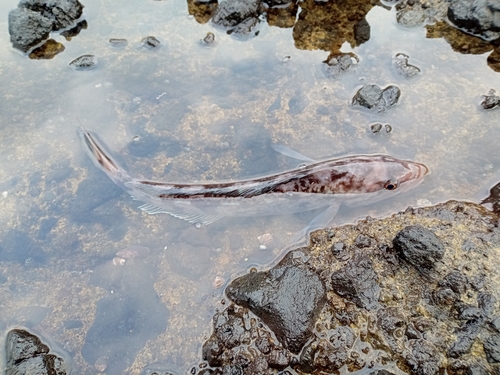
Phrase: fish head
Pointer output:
(386, 173)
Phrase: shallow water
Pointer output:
(200, 113)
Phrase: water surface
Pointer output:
(189, 112)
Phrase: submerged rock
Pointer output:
(47, 51)
(238, 17)
(490, 101)
(403, 68)
(373, 97)
(335, 65)
(382, 314)
(84, 62)
(150, 42)
(26, 354)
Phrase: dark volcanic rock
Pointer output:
(357, 281)
(373, 97)
(492, 348)
(28, 28)
(423, 357)
(424, 323)
(33, 20)
(288, 298)
(466, 336)
(150, 42)
(62, 13)
(481, 18)
(419, 246)
(26, 354)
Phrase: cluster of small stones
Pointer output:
(414, 293)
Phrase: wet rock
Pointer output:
(273, 296)
(335, 65)
(74, 31)
(84, 62)
(486, 302)
(47, 51)
(330, 356)
(357, 281)
(419, 246)
(62, 13)
(202, 11)
(403, 68)
(238, 17)
(493, 199)
(492, 348)
(373, 97)
(150, 42)
(466, 335)
(456, 281)
(491, 100)
(28, 28)
(410, 14)
(26, 354)
(33, 20)
(406, 325)
(480, 18)
(423, 357)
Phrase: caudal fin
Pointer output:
(105, 162)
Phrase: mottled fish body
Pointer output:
(352, 180)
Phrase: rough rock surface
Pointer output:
(33, 20)
(373, 97)
(477, 17)
(26, 354)
(382, 314)
(237, 16)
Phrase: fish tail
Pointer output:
(100, 158)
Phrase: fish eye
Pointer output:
(391, 185)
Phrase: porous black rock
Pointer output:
(33, 20)
(466, 335)
(357, 281)
(288, 298)
(26, 354)
(419, 246)
(481, 18)
(28, 28)
(492, 348)
(422, 357)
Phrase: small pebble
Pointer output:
(218, 282)
(209, 38)
(118, 42)
(84, 62)
(150, 42)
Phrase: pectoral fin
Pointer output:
(282, 149)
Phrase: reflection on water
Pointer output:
(186, 112)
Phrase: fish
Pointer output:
(351, 180)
